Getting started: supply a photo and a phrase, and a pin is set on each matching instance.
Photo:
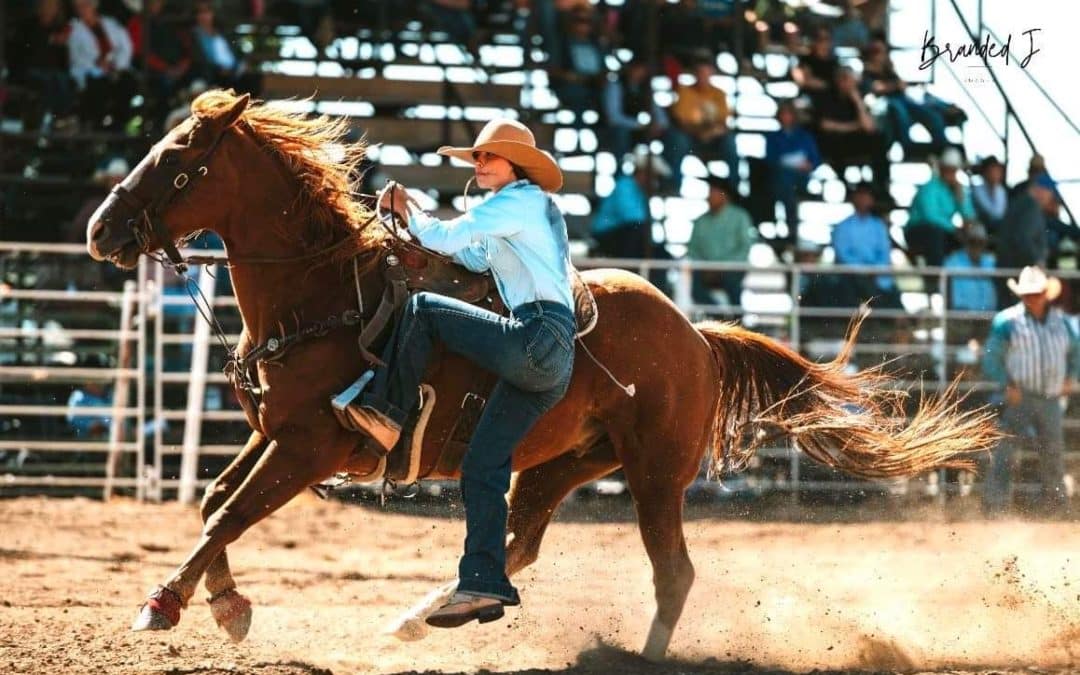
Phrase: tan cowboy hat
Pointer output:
(1033, 281)
(513, 141)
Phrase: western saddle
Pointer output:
(409, 268)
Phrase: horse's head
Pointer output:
(165, 197)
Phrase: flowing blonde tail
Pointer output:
(852, 422)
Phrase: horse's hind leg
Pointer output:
(288, 465)
(539, 491)
(231, 610)
(657, 481)
(533, 499)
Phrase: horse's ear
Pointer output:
(235, 111)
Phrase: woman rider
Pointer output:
(519, 234)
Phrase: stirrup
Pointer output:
(340, 403)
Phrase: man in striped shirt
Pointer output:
(1034, 354)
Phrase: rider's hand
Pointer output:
(395, 197)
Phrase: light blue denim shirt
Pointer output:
(518, 233)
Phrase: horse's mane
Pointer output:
(316, 152)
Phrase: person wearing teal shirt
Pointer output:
(930, 230)
(724, 233)
(972, 293)
(518, 233)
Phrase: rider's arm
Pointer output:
(473, 257)
(498, 216)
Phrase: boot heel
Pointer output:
(490, 614)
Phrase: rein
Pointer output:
(152, 234)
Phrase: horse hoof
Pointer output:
(161, 611)
(232, 612)
(410, 626)
(657, 643)
(409, 630)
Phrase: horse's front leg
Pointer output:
(295, 459)
(231, 610)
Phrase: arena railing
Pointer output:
(156, 335)
(123, 440)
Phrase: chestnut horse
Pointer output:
(277, 188)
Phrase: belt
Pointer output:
(541, 307)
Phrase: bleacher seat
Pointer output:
(450, 180)
(381, 91)
(420, 133)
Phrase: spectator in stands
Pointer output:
(701, 113)
(930, 230)
(100, 52)
(316, 21)
(1056, 230)
(93, 394)
(851, 31)
(724, 233)
(791, 154)
(880, 78)
(1033, 354)
(847, 133)
(578, 72)
(863, 239)
(38, 55)
(622, 224)
(683, 32)
(972, 293)
(215, 59)
(1023, 236)
(167, 57)
(815, 289)
(1036, 167)
(550, 19)
(776, 23)
(456, 18)
(989, 197)
(632, 116)
(816, 72)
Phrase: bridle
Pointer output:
(152, 235)
(148, 227)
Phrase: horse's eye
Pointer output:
(169, 159)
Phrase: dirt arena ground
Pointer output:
(884, 596)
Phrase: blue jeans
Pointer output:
(532, 352)
(785, 186)
(1044, 417)
(903, 110)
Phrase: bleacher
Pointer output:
(411, 93)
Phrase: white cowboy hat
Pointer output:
(951, 157)
(513, 141)
(1033, 281)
